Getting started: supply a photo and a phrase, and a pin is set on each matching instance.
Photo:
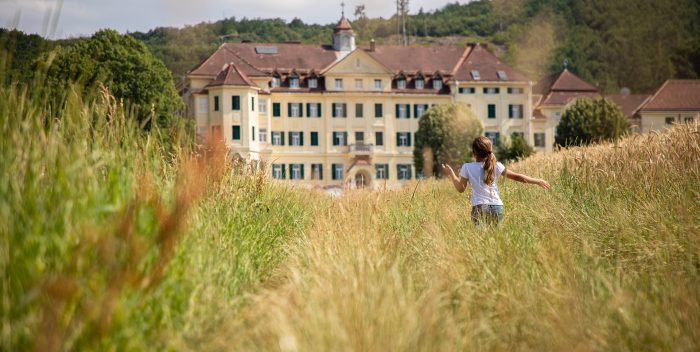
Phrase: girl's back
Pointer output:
(482, 193)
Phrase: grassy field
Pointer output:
(114, 240)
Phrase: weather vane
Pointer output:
(566, 63)
(342, 5)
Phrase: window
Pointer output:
(236, 103)
(382, 171)
(317, 171)
(437, 83)
(493, 136)
(340, 138)
(516, 90)
(670, 120)
(296, 171)
(294, 109)
(277, 138)
(313, 82)
(252, 103)
(557, 114)
(275, 82)
(359, 110)
(379, 138)
(419, 83)
(378, 84)
(502, 75)
(688, 119)
(262, 135)
(403, 171)
(539, 140)
(278, 171)
(467, 90)
(338, 83)
(358, 84)
(294, 82)
(216, 103)
(236, 135)
(518, 134)
(313, 109)
(492, 111)
(337, 171)
(403, 111)
(252, 134)
(403, 139)
(492, 90)
(276, 110)
(515, 110)
(339, 110)
(314, 139)
(359, 137)
(476, 75)
(378, 110)
(202, 104)
(401, 83)
(419, 110)
(296, 139)
(262, 106)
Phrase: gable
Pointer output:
(357, 62)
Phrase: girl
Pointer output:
(486, 202)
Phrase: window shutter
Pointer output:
(498, 90)
(235, 102)
(301, 139)
(415, 110)
(301, 109)
(398, 139)
(289, 109)
(314, 138)
(408, 138)
(276, 109)
(284, 169)
(408, 111)
(410, 173)
(320, 171)
(302, 171)
(282, 138)
(345, 110)
(397, 111)
(308, 111)
(510, 111)
(334, 112)
(520, 114)
(335, 140)
(318, 110)
(345, 138)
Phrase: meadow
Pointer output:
(112, 239)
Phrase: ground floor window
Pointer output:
(404, 171)
(493, 136)
(278, 171)
(337, 171)
(296, 171)
(539, 140)
(670, 120)
(382, 171)
(262, 135)
(317, 171)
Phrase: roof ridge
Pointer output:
(653, 96)
(465, 54)
(244, 60)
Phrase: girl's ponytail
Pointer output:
(482, 148)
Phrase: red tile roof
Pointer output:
(563, 98)
(675, 94)
(560, 88)
(413, 59)
(629, 103)
(488, 65)
(343, 24)
(230, 75)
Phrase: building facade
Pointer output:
(676, 101)
(339, 115)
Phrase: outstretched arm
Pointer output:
(525, 179)
(460, 183)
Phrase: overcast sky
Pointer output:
(84, 17)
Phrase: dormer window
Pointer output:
(437, 83)
(419, 82)
(476, 75)
(313, 82)
(502, 75)
(294, 82)
(401, 82)
(275, 81)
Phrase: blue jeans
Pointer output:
(487, 214)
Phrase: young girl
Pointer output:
(486, 202)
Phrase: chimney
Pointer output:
(371, 44)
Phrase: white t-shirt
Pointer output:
(481, 193)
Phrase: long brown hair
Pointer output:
(482, 148)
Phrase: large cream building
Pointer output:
(340, 114)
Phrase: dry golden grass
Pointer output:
(608, 259)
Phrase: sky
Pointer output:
(84, 17)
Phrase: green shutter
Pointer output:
(276, 110)
(345, 110)
(408, 111)
(320, 171)
(415, 110)
(284, 169)
(308, 111)
(408, 138)
(289, 109)
(302, 171)
(301, 110)
(236, 102)
(398, 139)
(252, 134)
(397, 111)
(314, 138)
(333, 112)
(345, 138)
(318, 110)
(301, 139)
(510, 111)
(282, 138)
(236, 135)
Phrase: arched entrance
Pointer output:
(362, 179)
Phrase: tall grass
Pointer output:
(112, 239)
(607, 260)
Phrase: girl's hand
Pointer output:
(448, 171)
(544, 184)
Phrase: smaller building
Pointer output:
(676, 101)
(630, 105)
(551, 97)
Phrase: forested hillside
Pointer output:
(614, 44)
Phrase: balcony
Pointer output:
(361, 149)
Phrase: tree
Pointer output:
(445, 134)
(126, 67)
(513, 149)
(588, 121)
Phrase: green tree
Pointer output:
(126, 68)
(588, 121)
(513, 149)
(445, 134)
